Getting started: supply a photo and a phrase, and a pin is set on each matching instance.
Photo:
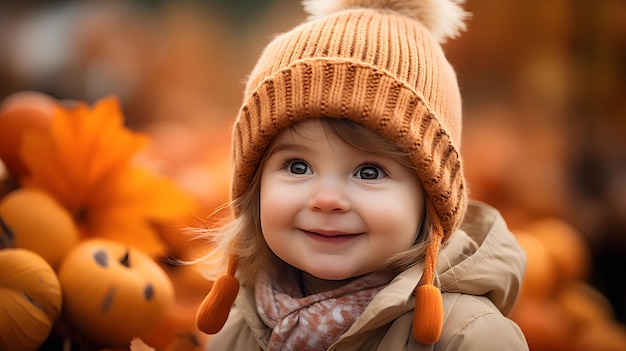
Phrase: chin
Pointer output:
(332, 275)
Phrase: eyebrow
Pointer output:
(285, 147)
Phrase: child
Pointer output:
(351, 229)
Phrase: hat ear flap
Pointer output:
(215, 308)
(213, 312)
(428, 314)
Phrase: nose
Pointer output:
(329, 196)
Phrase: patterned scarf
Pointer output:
(316, 321)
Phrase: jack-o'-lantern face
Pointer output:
(112, 292)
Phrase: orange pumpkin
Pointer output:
(20, 112)
(36, 221)
(602, 336)
(179, 325)
(30, 299)
(7, 183)
(566, 247)
(112, 292)
(539, 278)
(584, 304)
(544, 324)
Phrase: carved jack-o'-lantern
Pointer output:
(112, 292)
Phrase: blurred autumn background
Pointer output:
(544, 135)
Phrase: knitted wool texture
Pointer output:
(384, 71)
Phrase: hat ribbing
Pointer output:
(385, 71)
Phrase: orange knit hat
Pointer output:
(380, 64)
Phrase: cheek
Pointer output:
(396, 224)
(275, 217)
(276, 205)
(397, 216)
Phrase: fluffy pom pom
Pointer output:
(445, 19)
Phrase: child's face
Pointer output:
(333, 211)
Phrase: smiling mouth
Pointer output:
(330, 236)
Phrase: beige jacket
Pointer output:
(480, 271)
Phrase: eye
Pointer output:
(298, 167)
(369, 172)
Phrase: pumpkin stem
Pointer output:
(125, 260)
(7, 238)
